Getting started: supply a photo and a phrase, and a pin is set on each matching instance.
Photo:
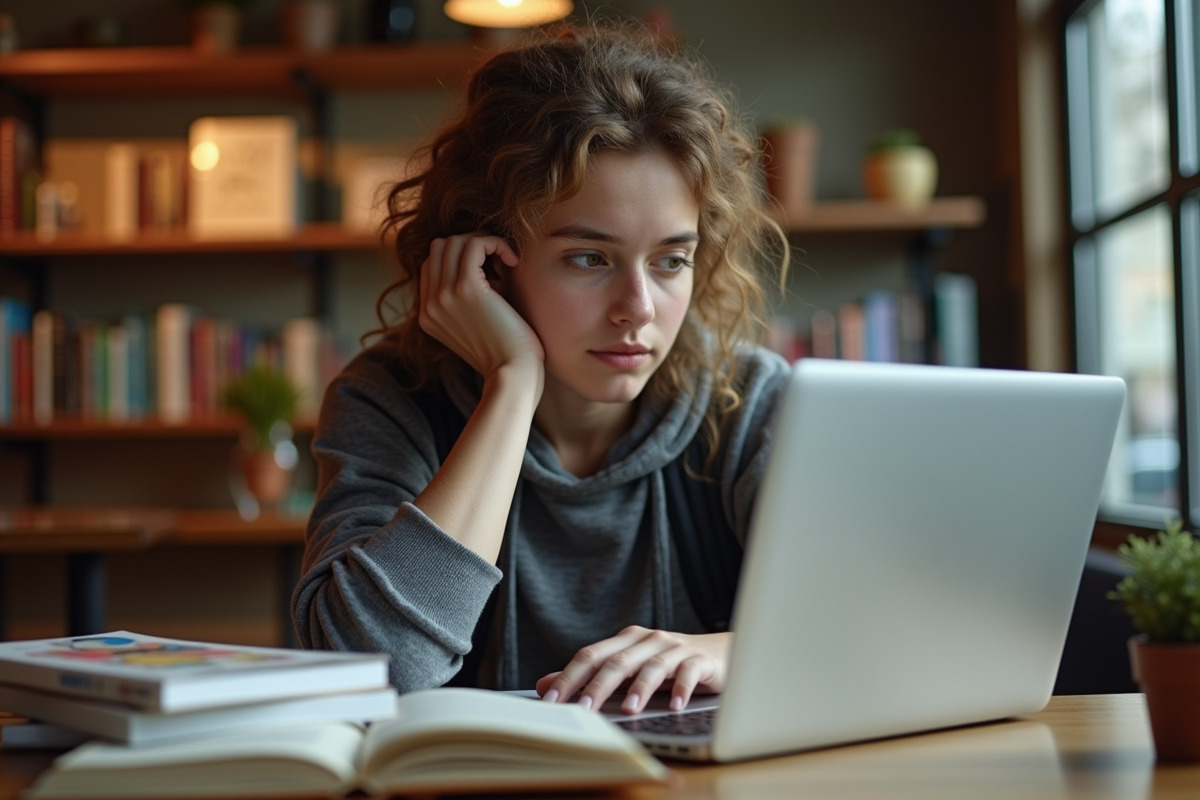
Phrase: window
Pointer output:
(1132, 78)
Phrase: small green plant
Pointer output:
(897, 137)
(1162, 593)
(264, 396)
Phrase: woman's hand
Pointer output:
(461, 308)
(645, 660)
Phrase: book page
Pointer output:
(479, 715)
(294, 758)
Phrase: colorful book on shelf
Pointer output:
(173, 675)
(125, 724)
(442, 741)
(15, 321)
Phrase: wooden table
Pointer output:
(1083, 748)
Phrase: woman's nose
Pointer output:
(632, 304)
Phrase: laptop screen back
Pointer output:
(915, 551)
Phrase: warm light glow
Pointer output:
(205, 156)
(506, 13)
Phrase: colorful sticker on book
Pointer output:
(131, 652)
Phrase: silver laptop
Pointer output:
(913, 558)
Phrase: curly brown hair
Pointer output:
(534, 116)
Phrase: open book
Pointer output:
(443, 740)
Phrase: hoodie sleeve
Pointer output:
(378, 575)
(746, 435)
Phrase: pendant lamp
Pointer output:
(506, 13)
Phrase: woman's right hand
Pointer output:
(461, 308)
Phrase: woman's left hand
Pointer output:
(645, 660)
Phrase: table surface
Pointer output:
(1083, 747)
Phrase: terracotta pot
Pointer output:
(265, 478)
(906, 176)
(1169, 675)
(216, 27)
(790, 167)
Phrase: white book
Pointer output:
(123, 723)
(302, 361)
(173, 362)
(39, 736)
(954, 299)
(174, 675)
(121, 191)
(242, 177)
(442, 741)
(42, 364)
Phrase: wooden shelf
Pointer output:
(313, 237)
(95, 530)
(181, 70)
(64, 530)
(873, 216)
(217, 427)
(221, 526)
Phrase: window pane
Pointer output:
(1187, 33)
(1190, 290)
(1120, 46)
(1135, 324)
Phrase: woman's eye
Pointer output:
(673, 263)
(586, 260)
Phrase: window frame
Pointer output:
(1181, 197)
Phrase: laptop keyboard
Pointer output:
(689, 723)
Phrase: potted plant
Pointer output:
(216, 24)
(1162, 597)
(265, 458)
(900, 170)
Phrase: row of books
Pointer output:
(891, 326)
(150, 716)
(172, 365)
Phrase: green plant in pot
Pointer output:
(900, 170)
(1161, 594)
(267, 400)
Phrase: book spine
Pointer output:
(14, 321)
(957, 319)
(118, 373)
(172, 362)
(16, 162)
(142, 694)
(850, 332)
(882, 332)
(42, 366)
(302, 361)
(121, 191)
(22, 355)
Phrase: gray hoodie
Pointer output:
(582, 557)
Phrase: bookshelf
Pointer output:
(31, 82)
(39, 78)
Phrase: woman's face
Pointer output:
(607, 281)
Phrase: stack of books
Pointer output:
(171, 718)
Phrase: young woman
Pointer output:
(565, 404)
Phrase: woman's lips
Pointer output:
(623, 357)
